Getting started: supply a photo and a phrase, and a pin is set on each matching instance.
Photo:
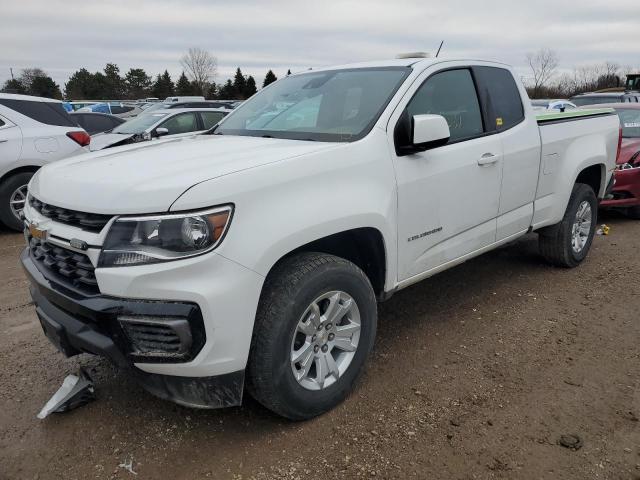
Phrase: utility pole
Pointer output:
(11, 70)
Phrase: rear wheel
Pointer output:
(567, 243)
(314, 329)
(13, 197)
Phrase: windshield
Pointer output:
(593, 100)
(630, 122)
(328, 106)
(139, 124)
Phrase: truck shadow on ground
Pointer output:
(432, 303)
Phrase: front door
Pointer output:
(448, 197)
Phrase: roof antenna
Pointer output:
(438, 53)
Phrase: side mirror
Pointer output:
(429, 131)
(161, 132)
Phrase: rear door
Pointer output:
(504, 112)
(448, 196)
(10, 143)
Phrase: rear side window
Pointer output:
(209, 119)
(500, 96)
(451, 94)
(97, 123)
(50, 113)
(1, 123)
(117, 109)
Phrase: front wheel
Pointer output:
(314, 329)
(567, 243)
(13, 197)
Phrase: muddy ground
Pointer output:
(476, 373)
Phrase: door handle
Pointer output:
(487, 159)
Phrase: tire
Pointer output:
(556, 242)
(289, 292)
(7, 190)
(633, 212)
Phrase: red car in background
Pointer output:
(626, 191)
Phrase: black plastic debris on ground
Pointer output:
(76, 390)
(572, 442)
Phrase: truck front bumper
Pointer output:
(77, 323)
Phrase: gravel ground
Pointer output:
(476, 374)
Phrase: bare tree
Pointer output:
(543, 65)
(200, 66)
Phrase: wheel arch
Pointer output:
(364, 246)
(18, 170)
(595, 176)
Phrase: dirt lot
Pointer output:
(476, 373)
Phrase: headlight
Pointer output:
(160, 238)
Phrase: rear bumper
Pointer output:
(76, 323)
(626, 192)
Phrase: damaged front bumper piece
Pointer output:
(130, 332)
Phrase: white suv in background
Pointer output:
(33, 131)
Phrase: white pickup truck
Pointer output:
(254, 256)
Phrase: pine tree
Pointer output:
(138, 83)
(239, 84)
(183, 86)
(270, 77)
(45, 87)
(249, 88)
(13, 86)
(163, 86)
(213, 91)
(114, 84)
(227, 92)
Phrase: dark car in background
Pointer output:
(94, 122)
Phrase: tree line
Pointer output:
(134, 84)
(546, 81)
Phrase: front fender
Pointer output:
(284, 205)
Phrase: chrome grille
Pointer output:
(93, 222)
(64, 266)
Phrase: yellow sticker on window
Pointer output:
(499, 121)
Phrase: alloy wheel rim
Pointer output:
(581, 227)
(325, 340)
(18, 200)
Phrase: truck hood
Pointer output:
(148, 177)
(629, 147)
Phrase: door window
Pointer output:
(182, 123)
(451, 94)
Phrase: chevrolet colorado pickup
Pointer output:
(253, 256)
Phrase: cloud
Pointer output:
(62, 36)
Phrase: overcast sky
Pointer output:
(61, 36)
